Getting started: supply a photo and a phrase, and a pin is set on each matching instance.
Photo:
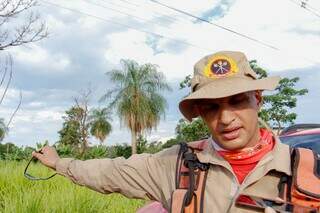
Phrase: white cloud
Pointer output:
(40, 57)
(280, 23)
(36, 104)
(252, 18)
(54, 23)
(128, 45)
(33, 117)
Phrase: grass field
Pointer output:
(20, 195)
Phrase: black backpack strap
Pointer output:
(183, 149)
(194, 172)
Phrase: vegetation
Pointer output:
(9, 151)
(136, 97)
(70, 132)
(192, 131)
(100, 126)
(3, 129)
(28, 29)
(19, 195)
(80, 121)
(277, 106)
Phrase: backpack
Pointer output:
(187, 197)
(301, 189)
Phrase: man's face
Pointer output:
(233, 120)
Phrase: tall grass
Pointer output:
(20, 195)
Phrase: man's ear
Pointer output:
(259, 98)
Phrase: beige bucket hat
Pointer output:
(223, 74)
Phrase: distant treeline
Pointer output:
(9, 151)
(185, 131)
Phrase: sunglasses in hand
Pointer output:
(31, 177)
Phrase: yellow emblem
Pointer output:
(220, 66)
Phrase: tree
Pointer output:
(80, 121)
(136, 97)
(82, 106)
(99, 124)
(29, 28)
(277, 106)
(6, 78)
(70, 132)
(14, 33)
(75, 129)
(3, 129)
(186, 82)
(191, 131)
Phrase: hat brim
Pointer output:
(225, 87)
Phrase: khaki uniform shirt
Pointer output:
(153, 176)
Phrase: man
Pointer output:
(242, 157)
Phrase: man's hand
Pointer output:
(48, 156)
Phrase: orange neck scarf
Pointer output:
(242, 162)
(264, 145)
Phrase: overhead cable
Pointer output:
(140, 6)
(123, 25)
(115, 10)
(216, 25)
(306, 6)
(148, 32)
(121, 12)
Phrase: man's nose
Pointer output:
(226, 116)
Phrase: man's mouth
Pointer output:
(231, 133)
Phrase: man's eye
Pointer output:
(238, 101)
(210, 107)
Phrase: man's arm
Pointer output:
(140, 176)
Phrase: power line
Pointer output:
(124, 25)
(115, 10)
(154, 11)
(130, 3)
(304, 5)
(312, 7)
(121, 12)
(216, 25)
(144, 31)
(117, 5)
(220, 26)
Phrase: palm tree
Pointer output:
(3, 129)
(136, 97)
(99, 124)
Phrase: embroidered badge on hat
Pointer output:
(220, 66)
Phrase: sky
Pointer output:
(89, 38)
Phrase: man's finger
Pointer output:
(37, 155)
(44, 148)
